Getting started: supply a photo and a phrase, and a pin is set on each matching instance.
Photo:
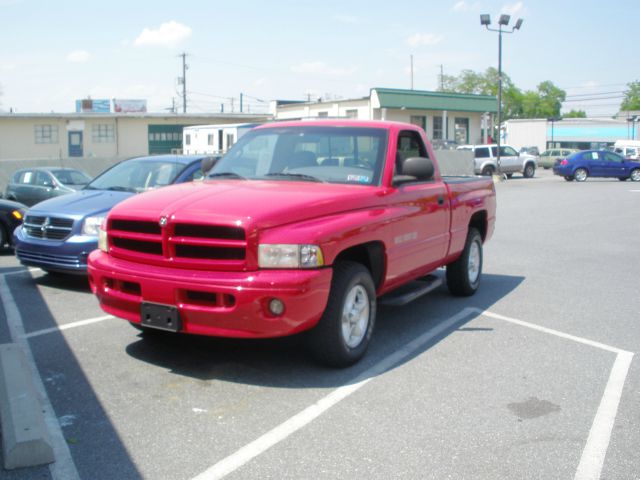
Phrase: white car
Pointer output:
(485, 158)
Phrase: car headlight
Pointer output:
(91, 225)
(17, 214)
(103, 244)
(289, 256)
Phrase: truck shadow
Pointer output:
(285, 363)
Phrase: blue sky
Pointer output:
(56, 52)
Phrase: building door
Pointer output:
(75, 144)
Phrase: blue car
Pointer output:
(596, 163)
(58, 234)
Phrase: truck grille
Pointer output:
(178, 244)
(49, 228)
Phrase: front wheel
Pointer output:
(635, 175)
(463, 275)
(343, 333)
(488, 171)
(529, 170)
(580, 175)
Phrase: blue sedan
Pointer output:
(596, 163)
(58, 234)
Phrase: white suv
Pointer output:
(485, 158)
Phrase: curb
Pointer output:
(25, 439)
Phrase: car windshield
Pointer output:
(71, 177)
(350, 155)
(137, 175)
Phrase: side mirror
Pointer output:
(414, 168)
(207, 164)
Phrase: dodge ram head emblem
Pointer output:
(163, 221)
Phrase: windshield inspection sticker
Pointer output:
(358, 178)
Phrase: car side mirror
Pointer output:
(207, 164)
(414, 168)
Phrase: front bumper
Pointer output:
(214, 303)
(68, 256)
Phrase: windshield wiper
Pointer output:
(300, 176)
(117, 188)
(226, 174)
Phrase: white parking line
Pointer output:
(281, 432)
(67, 326)
(63, 468)
(595, 450)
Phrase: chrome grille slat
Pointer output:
(47, 228)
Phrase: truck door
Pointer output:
(421, 228)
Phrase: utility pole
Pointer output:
(411, 72)
(184, 81)
(441, 78)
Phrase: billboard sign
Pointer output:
(90, 105)
(129, 106)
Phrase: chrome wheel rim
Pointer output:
(355, 316)
(635, 176)
(581, 175)
(474, 262)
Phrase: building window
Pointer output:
(461, 130)
(351, 113)
(103, 133)
(323, 114)
(229, 140)
(419, 120)
(210, 139)
(46, 133)
(187, 139)
(437, 128)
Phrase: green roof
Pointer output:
(424, 100)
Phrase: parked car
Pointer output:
(58, 234)
(485, 157)
(11, 215)
(596, 163)
(33, 185)
(628, 148)
(548, 158)
(531, 151)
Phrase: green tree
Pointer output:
(631, 99)
(575, 114)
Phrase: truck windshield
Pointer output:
(137, 175)
(349, 155)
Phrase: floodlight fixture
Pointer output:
(518, 24)
(504, 19)
(485, 19)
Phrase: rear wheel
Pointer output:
(488, 171)
(635, 175)
(568, 178)
(343, 333)
(623, 179)
(580, 175)
(463, 275)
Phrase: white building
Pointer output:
(464, 118)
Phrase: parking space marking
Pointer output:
(67, 326)
(236, 460)
(63, 468)
(593, 454)
(595, 449)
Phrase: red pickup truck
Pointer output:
(301, 226)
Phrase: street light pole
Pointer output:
(485, 20)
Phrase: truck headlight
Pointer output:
(103, 244)
(289, 256)
(91, 225)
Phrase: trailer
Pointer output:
(212, 139)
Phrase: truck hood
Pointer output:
(257, 204)
(80, 204)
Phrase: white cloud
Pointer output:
(513, 9)
(78, 56)
(168, 34)
(424, 39)
(322, 69)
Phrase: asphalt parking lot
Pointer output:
(533, 377)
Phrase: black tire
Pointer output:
(568, 178)
(488, 171)
(529, 170)
(623, 179)
(635, 175)
(581, 175)
(463, 275)
(509, 175)
(337, 340)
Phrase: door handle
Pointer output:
(440, 200)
